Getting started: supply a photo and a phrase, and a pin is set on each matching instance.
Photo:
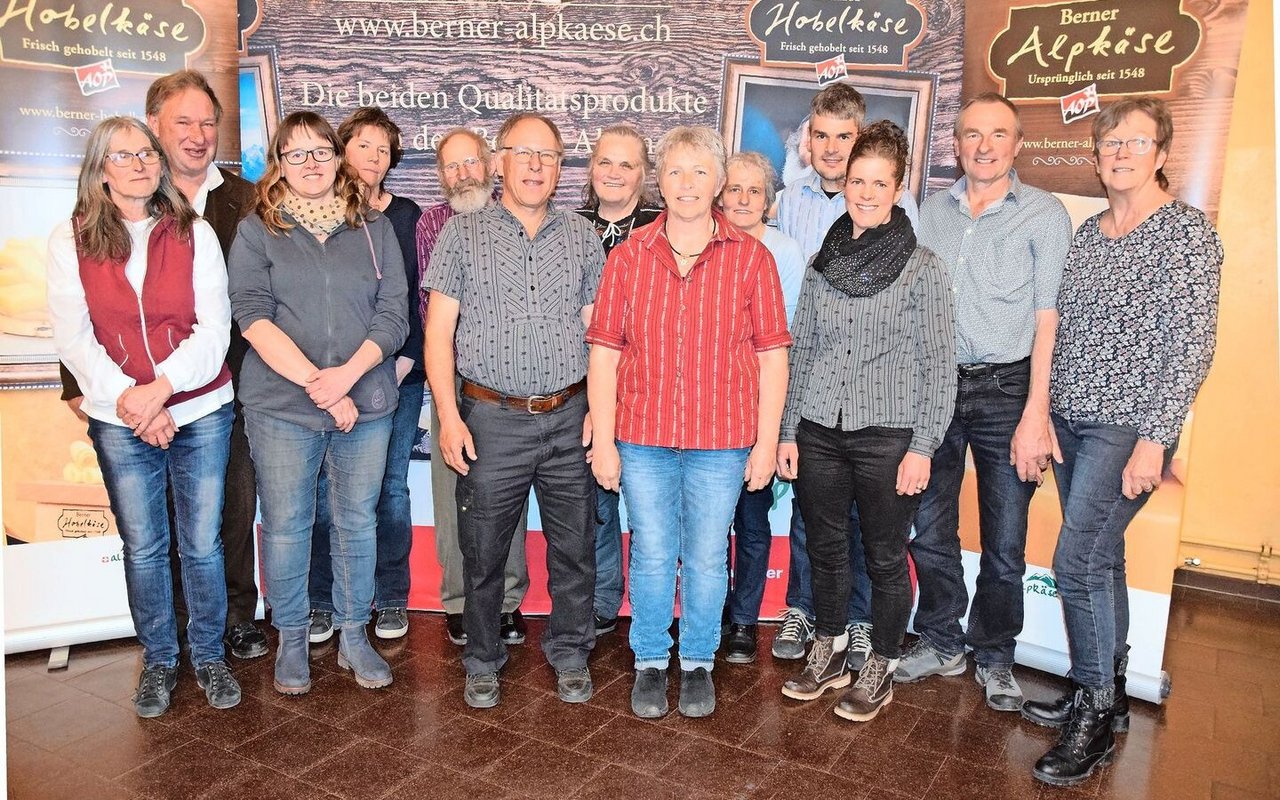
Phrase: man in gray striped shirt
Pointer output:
(512, 286)
(1004, 244)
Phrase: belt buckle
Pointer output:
(536, 398)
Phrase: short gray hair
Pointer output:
(695, 137)
(750, 158)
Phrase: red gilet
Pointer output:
(142, 330)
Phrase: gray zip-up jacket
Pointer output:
(328, 298)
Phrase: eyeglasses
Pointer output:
(299, 157)
(123, 158)
(1138, 146)
(523, 155)
(466, 163)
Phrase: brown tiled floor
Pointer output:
(73, 734)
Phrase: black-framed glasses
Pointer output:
(123, 158)
(297, 157)
(523, 155)
(1138, 146)
(456, 166)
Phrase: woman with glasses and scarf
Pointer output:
(138, 299)
(872, 389)
(318, 286)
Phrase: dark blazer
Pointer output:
(223, 209)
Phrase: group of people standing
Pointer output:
(680, 356)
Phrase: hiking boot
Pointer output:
(1056, 713)
(356, 654)
(827, 668)
(740, 644)
(392, 623)
(1086, 743)
(220, 686)
(649, 694)
(321, 626)
(795, 633)
(155, 685)
(921, 660)
(859, 645)
(872, 691)
(1003, 692)
(293, 664)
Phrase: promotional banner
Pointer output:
(63, 68)
(749, 69)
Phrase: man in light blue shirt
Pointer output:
(1004, 244)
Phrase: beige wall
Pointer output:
(1233, 489)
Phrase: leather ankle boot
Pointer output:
(293, 670)
(1086, 743)
(356, 654)
(1055, 713)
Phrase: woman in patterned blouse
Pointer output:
(1138, 307)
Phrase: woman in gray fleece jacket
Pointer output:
(318, 286)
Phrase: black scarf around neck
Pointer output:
(864, 266)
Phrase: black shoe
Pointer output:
(740, 645)
(154, 687)
(321, 626)
(244, 640)
(482, 691)
(574, 685)
(219, 685)
(697, 693)
(649, 694)
(605, 625)
(1056, 713)
(513, 627)
(1086, 742)
(457, 633)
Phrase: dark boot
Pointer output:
(293, 669)
(1086, 743)
(356, 654)
(1055, 713)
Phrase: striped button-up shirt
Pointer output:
(887, 360)
(689, 376)
(520, 318)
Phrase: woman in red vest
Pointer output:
(138, 297)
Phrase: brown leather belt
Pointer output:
(535, 404)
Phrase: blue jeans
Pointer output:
(800, 574)
(752, 539)
(1089, 560)
(395, 524)
(609, 581)
(680, 504)
(288, 459)
(988, 410)
(136, 475)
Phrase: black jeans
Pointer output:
(988, 409)
(516, 450)
(837, 469)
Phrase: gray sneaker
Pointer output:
(482, 690)
(155, 685)
(859, 645)
(392, 623)
(1003, 692)
(321, 626)
(921, 660)
(795, 633)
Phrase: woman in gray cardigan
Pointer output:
(318, 287)
(872, 389)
